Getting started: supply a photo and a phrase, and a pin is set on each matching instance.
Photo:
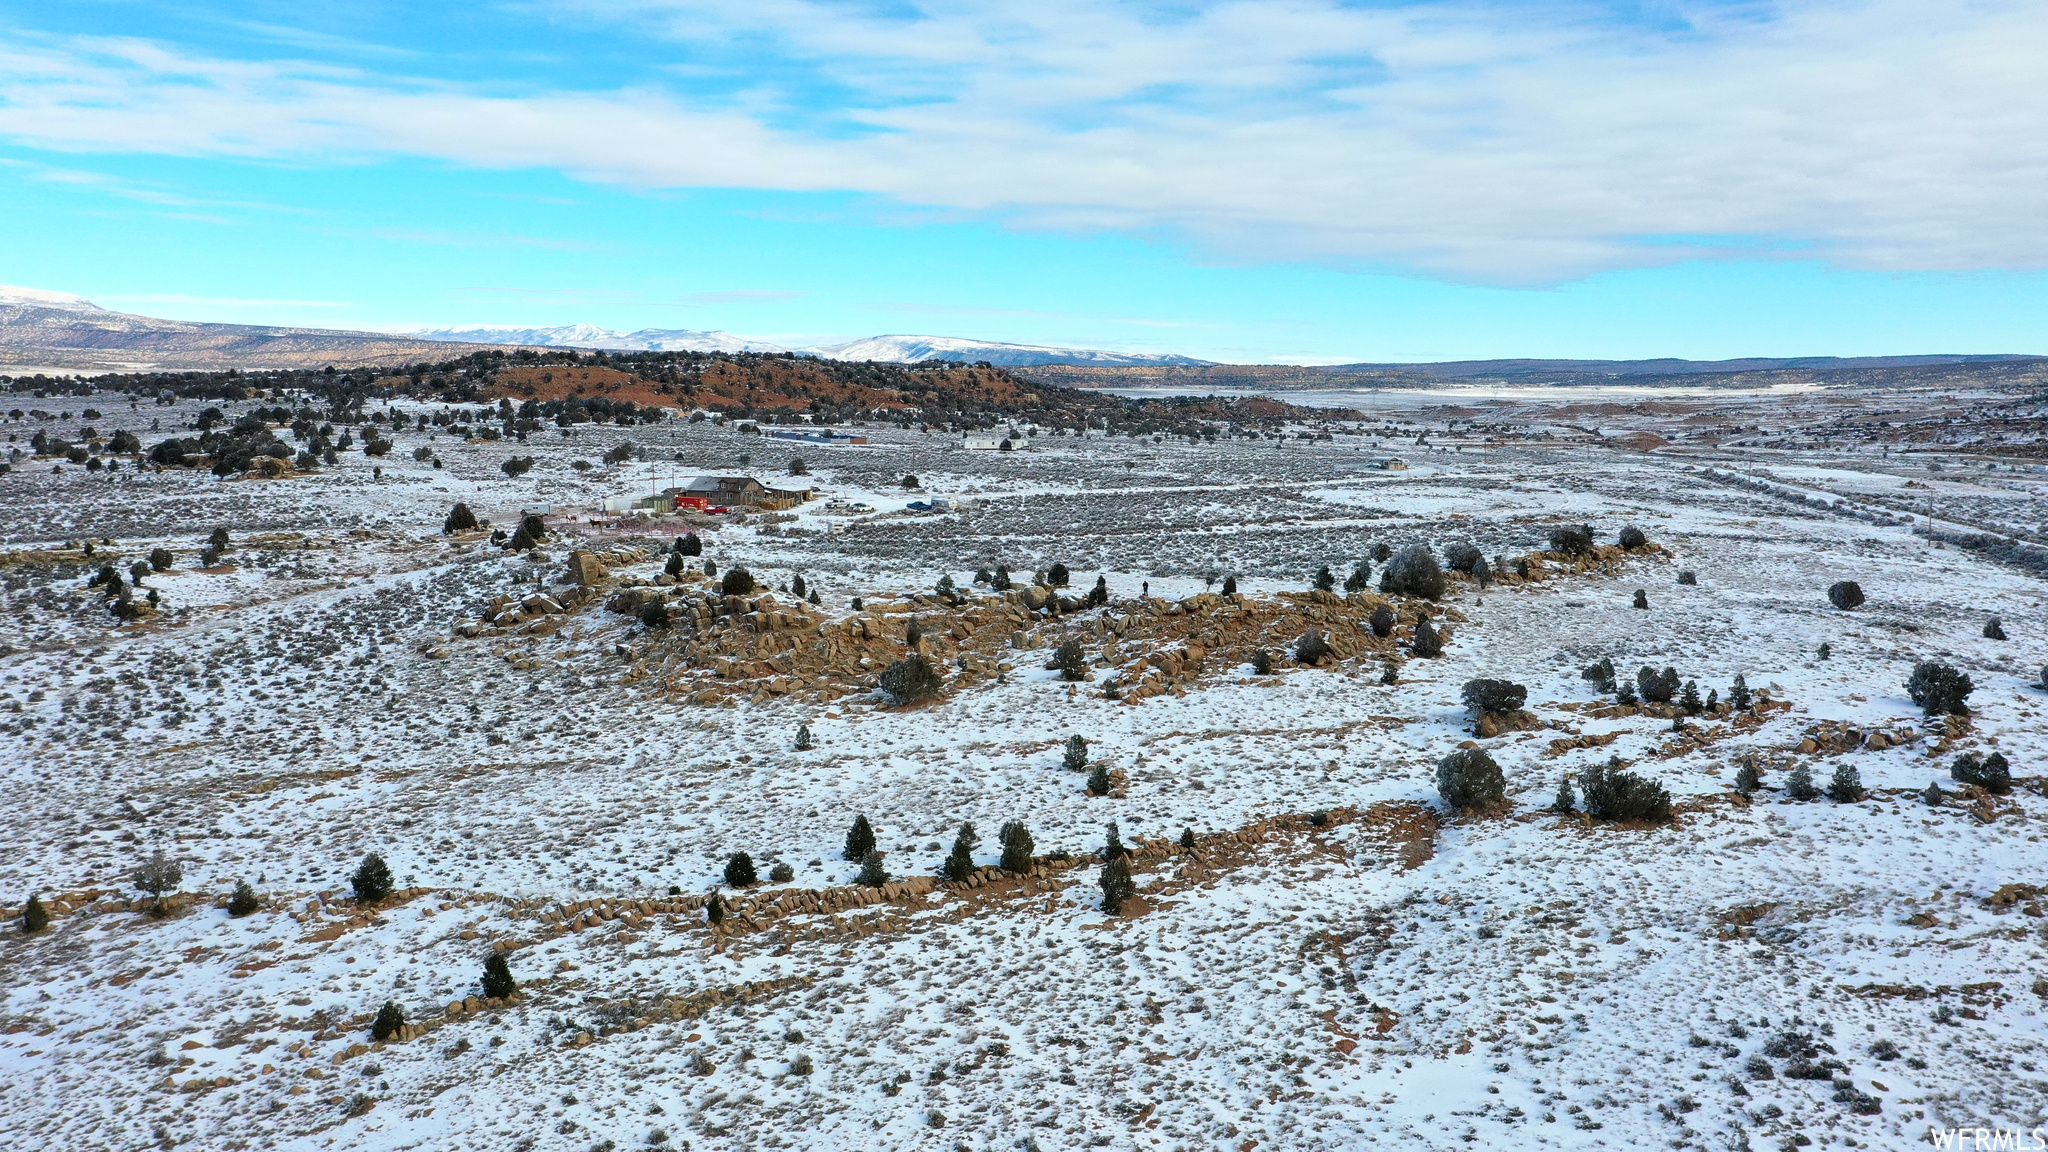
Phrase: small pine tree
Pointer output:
(798, 590)
(159, 876)
(1427, 642)
(983, 576)
(1799, 784)
(739, 871)
(1071, 660)
(1325, 579)
(803, 738)
(1933, 796)
(1113, 843)
(1747, 778)
(1187, 839)
(911, 679)
(737, 582)
(1360, 579)
(872, 874)
(1262, 662)
(1390, 675)
(1991, 773)
(1076, 757)
(1000, 580)
(1642, 598)
(676, 565)
(1566, 800)
(714, 910)
(219, 540)
(1098, 779)
(1689, 699)
(860, 839)
(498, 982)
(390, 1019)
(1600, 674)
(244, 901)
(1826, 650)
(960, 861)
(1624, 693)
(1846, 786)
(814, 597)
(34, 917)
(1057, 576)
(1713, 699)
(371, 880)
(1230, 585)
(1117, 886)
(1017, 846)
(689, 544)
(1738, 694)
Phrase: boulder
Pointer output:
(586, 569)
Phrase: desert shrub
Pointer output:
(654, 614)
(1642, 599)
(1071, 661)
(1413, 572)
(1799, 784)
(1311, 648)
(1117, 886)
(1468, 779)
(1845, 594)
(1571, 540)
(34, 916)
(1747, 778)
(781, 873)
(960, 861)
(219, 541)
(1993, 630)
(1624, 692)
(1632, 537)
(1758, 1068)
(1686, 577)
(736, 582)
(1262, 662)
(1600, 674)
(1057, 576)
(1017, 846)
(1000, 580)
(1846, 785)
(911, 679)
(619, 453)
(1614, 794)
(516, 466)
(872, 874)
(498, 982)
(1462, 556)
(1426, 642)
(1483, 695)
(160, 559)
(1933, 796)
(1940, 689)
(1390, 674)
(739, 871)
(1990, 773)
(1076, 757)
(1230, 585)
(1565, 800)
(390, 1019)
(860, 839)
(460, 519)
(1381, 551)
(244, 900)
(1382, 621)
(1657, 687)
(159, 876)
(1325, 580)
(532, 530)
(1360, 579)
(371, 880)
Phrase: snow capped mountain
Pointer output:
(44, 298)
(913, 349)
(591, 336)
(886, 349)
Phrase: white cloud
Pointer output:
(1503, 145)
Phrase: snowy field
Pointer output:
(1397, 975)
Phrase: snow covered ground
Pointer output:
(1526, 980)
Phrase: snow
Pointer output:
(1533, 982)
(45, 298)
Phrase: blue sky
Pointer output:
(1265, 180)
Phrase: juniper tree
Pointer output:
(1230, 585)
(219, 540)
(1632, 538)
(532, 530)
(1381, 551)
(960, 861)
(1845, 594)
(1565, 801)
(736, 582)
(1482, 572)
(1099, 595)
(1325, 580)
(814, 597)
(1426, 642)
(1483, 695)
(944, 588)
(1076, 758)
(1933, 796)
(714, 910)
(1799, 784)
(1468, 779)
(1187, 839)
(1657, 687)
(1071, 660)
(803, 738)
(1117, 886)
(1414, 572)
(675, 566)
(1940, 689)
(1642, 598)
(1686, 577)
(1991, 773)
(1113, 843)
(34, 917)
(498, 983)
(1846, 786)
(689, 544)
(1000, 581)
(371, 880)
(1057, 576)
(1600, 674)
(1747, 779)
(872, 874)
(390, 1019)
(1360, 579)
(244, 901)
(1382, 621)
(911, 679)
(913, 633)
(1624, 693)
(654, 614)
(159, 876)
(798, 590)
(1098, 779)
(1017, 846)
(1826, 650)
(460, 519)
(739, 871)
(160, 559)
(1571, 540)
(1993, 630)
(711, 567)
(1462, 556)
(1262, 662)
(1689, 699)
(1614, 794)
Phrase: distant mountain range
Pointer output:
(1509, 369)
(887, 349)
